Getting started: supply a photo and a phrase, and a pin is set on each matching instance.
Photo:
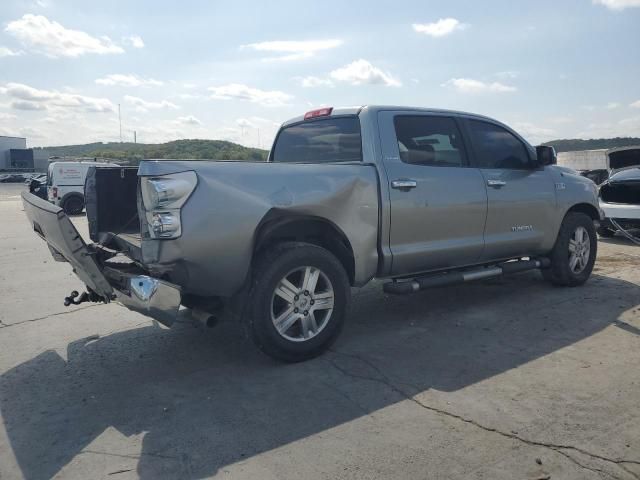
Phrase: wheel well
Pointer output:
(312, 230)
(587, 209)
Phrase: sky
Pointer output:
(236, 70)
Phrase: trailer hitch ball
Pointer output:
(71, 299)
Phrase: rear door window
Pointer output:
(319, 141)
(429, 140)
(495, 147)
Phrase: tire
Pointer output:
(565, 270)
(606, 232)
(73, 205)
(298, 337)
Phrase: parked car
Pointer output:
(66, 184)
(417, 197)
(38, 186)
(12, 178)
(620, 201)
(40, 177)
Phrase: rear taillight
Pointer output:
(163, 198)
(54, 192)
(321, 112)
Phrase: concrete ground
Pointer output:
(507, 379)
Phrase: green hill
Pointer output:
(575, 144)
(178, 149)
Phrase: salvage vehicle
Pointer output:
(416, 197)
(620, 194)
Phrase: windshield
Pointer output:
(319, 141)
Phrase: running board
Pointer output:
(402, 287)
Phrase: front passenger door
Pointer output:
(521, 196)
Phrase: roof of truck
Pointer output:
(377, 108)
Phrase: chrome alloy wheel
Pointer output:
(579, 250)
(302, 304)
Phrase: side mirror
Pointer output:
(546, 155)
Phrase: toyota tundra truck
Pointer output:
(416, 197)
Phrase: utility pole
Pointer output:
(120, 122)
(135, 137)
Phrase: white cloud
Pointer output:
(361, 72)
(144, 105)
(312, 81)
(533, 133)
(135, 41)
(7, 52)
(29, 98)
(612, 105)
(188, 120)
(6, 116)
(238, 91)
(635, 104)
(131, 80)
(441, 28)
(618, 4)
(41, 35)
(294, 50)
(469, 85)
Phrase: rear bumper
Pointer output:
(147, 295)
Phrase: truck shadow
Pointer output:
(202, 401)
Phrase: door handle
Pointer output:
(496, 183)
(404, 184)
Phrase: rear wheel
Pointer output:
(574, 253)
(299, 299)
(73, 205)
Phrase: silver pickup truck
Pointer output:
(417, 197)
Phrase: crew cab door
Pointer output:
(521, 196)
(438, 203)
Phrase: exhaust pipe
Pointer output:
(454, 278)
(200, 317)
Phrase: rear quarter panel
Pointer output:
(220, 219)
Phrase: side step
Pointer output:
(402, 287)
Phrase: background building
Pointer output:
(14, 154)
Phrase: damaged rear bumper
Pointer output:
(141, 293)
(149, 296)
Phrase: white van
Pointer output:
(65, 184)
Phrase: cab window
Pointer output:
(319, 141)
(495, 147)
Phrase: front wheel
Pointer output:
(299, 299)
(574, 253)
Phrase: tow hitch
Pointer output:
(81, 298)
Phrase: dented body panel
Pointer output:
(219, 221)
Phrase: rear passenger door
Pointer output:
(521, 196)
(438, 203)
